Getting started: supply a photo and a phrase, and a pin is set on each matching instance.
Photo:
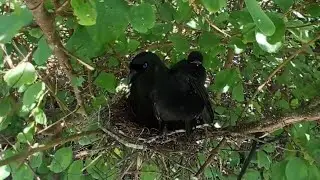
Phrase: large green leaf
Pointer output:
(265, 45)
(61, 160)
(208, 41)
(142, 17)
(262, 21)
(4, 171)
(85, 10)
(24, 172)
(75, 171)
(12, 23)
(106, 81)
(27, 135)
(42, 53)
(183, 12)
(214, 5)
(180, 42)
(33, 93)
(296, 169)
(39, 116)
(23, 73)
(284, 4)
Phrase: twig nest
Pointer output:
(117, 121)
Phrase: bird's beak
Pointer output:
(131, 75)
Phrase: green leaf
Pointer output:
(263, 160)
(313, 9)
(149, 171)
(142, 17)
(113, 62)
(314, 172)
(42, 53)
(97, 168)
(12, 23)
(265, 45)
(214, 5)
(237, 93)
(23, 173)
(39, 116)
(284, 4)
(5, 106)
(33, 93)
(283, 104)
(132, 45)
(23, 73)
(237, 45)
(61, 160)
(77, 81)
(166, 12)
(304, 34)
(224, 80)
(208, 41)
(278, 35)
(27, 135)
(180, 43)
(106, 81)
(4, 171)
(296, 169)
(75, 171)
(36, 160)
(183, 12)
(262, 21)
(85, 10)
(252, 175)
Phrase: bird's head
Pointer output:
(144, 62)
(195, 57)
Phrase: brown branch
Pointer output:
(269, 78)
(230, 57)
(24, 154)
(46, 22)
(208, 161)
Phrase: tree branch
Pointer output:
(46, 23)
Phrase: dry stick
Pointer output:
(46, 23)
(276, 71)
(23, 155)
(213, 152)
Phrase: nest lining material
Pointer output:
(116, 121)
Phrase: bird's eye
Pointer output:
(145, 65)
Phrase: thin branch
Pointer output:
(208, 161)
(24, 154)
(46, 22)
(269, 78)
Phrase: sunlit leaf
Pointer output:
(296, 169)
(214, 6)
(23, 73)
(142, 17)
(85, 10)
(61, 160)
(106, 81)
(42, 53)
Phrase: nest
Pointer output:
(117, 122)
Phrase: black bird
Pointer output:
(172, 97)
(193, 69)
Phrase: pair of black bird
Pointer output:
(169, 99)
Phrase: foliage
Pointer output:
(262, 59)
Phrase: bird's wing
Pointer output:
(200, 89)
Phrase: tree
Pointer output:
(63, 64)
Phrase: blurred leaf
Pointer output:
(263, 160)
(23, 173)
(61, 160)
(278, 35)
(284, 4)
(180, 43)
(283, 104)
(224, 80)
(132, 45)
(77, 81)
(265, 45)
(237, 45)
(12, 23)
(42, 53)
(294, 103)
(106, 81)
(113, 62)
(252, 175)
(262, 21)
(208, 41)
(142, 17)
(314, 172)
(4, 171)
(23, 73)
(27, 135)
(85, 10)
(296, 169)
(215, 5)
(39, 116)
(33, 93)
(149, 171)
(36, 160)
(237, 93)
(313, 9)
(183, 12)
(97, 168)
(166, 11)
(75, 171)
